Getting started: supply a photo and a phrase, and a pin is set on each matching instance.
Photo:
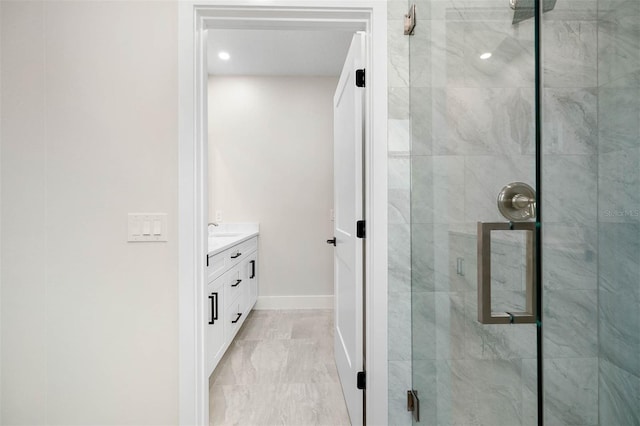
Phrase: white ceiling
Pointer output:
(278, 52)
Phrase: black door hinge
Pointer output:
(361, 380)
(360, 78)
(361, 229)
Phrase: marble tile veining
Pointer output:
(398, 131)
(571, 121)
(619, 395)
(571, 188)
(618, 121)
(450, 325)
(423, 325)
(398, 61)
(618, 183)
(480, 392)
(570, 313)
(399, 209)
(422, 256)
(483, 121)
(437, 185)
(512, 62)
(570, 256)
(421, 121)
(571, 391)
(570, 45)
(399, 315)
(398, 101)
(399, 257)
(279, 371)
(618, 51)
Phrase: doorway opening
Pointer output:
(271, 165)
(195, 22)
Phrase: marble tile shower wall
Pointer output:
(618, 211)
(471, 133)
(570, 200)
(399, 217)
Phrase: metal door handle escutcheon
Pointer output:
(517, 202)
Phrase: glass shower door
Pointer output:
(473, 270)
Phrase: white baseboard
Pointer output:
(294, 302)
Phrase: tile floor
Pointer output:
(279, 371)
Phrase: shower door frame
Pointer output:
(412, 397)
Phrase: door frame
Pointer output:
(195, 17)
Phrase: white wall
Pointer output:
(89, 133)
(271, 161)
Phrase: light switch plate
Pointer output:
(147, 227)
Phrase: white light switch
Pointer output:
(147, 227)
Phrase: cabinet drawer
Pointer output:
(235, 283)
(238, 253)
(235, 315)
(216, 265)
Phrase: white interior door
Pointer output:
(348, 205)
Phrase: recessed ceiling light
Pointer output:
(224, 56)
(485, 55)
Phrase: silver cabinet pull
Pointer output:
(485, 313)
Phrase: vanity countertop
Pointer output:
(229, 234)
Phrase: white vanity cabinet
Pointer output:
(232, 292)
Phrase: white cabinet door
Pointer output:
(348, 207)
(215, 338)
(251, 271)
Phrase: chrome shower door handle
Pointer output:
(485, 313)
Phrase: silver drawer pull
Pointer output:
(485, 313)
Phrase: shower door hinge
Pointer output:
(361, 229)
(361, 380)
(360, 78)
(413, 404)
(410, 20)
